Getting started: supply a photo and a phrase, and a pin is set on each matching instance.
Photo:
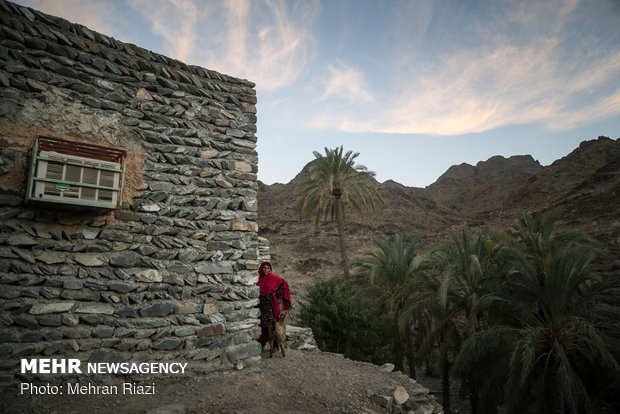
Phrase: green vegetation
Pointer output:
(386, 279)
(520, 318)
(334, 180)
(343, 323)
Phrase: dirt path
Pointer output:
(303, 382)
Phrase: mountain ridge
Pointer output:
(585, 184)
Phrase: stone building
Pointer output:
(165, 272)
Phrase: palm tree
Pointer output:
(549, 321)
(335, 181)
(469, 272)
(538, 238)
(467, 267)
(388, 275)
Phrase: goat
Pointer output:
(277, 333)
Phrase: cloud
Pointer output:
(265, 41)
(346, 82)
(602, 109)
(517, 66)
(175, 21)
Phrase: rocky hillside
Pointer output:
(585, 183)
(494, 169)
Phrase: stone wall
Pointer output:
(171, 274)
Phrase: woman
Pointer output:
(272, 289)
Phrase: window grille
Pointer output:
(76, 173)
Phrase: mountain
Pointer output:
(493, 169)
(495, 192)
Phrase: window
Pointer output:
(76, 173)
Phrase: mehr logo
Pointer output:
(50, 366)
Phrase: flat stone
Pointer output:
(72, 284)
(127, 313)
(212, 318)
(185, 309)
(116, 235)
(244, 226)
(237, 133)
(98, 308)
(180, 268)
(227, 114)
(121, 287)
(147, 250)
(161, 186)
(168, 343)
(125, 259)
(157, 309)
(150, 207)
(222, 182)
(209, 308)
(7, 253)
(144, 95)
(52, 320)
(76, 333)
(88, 260)
(188, 255)
(103, 332)
(245, 278)
(173, 279)
(153, 323)
(21, 240)
(116, 97)
(242, 166)
(24, 255)
(211, 330)
(69, 320)
(126, 215)
(42, 308)
(90, 234)
(208, 154)
(212, 268)
(185, 331)
(8, 212)
(50, 258)
(149, 275)
(42, 232)
(26, 321)
(192, 142)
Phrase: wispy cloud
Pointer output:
(265, 41)
(346, 82)
(521, 68)
(175, 21)
(601, 109)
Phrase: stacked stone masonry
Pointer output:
(171, 274)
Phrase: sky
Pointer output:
(413, 86)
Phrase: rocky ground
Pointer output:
(302, 382)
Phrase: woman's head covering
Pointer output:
(263, 264)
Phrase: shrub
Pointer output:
(344, 323)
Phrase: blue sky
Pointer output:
(414, 86)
